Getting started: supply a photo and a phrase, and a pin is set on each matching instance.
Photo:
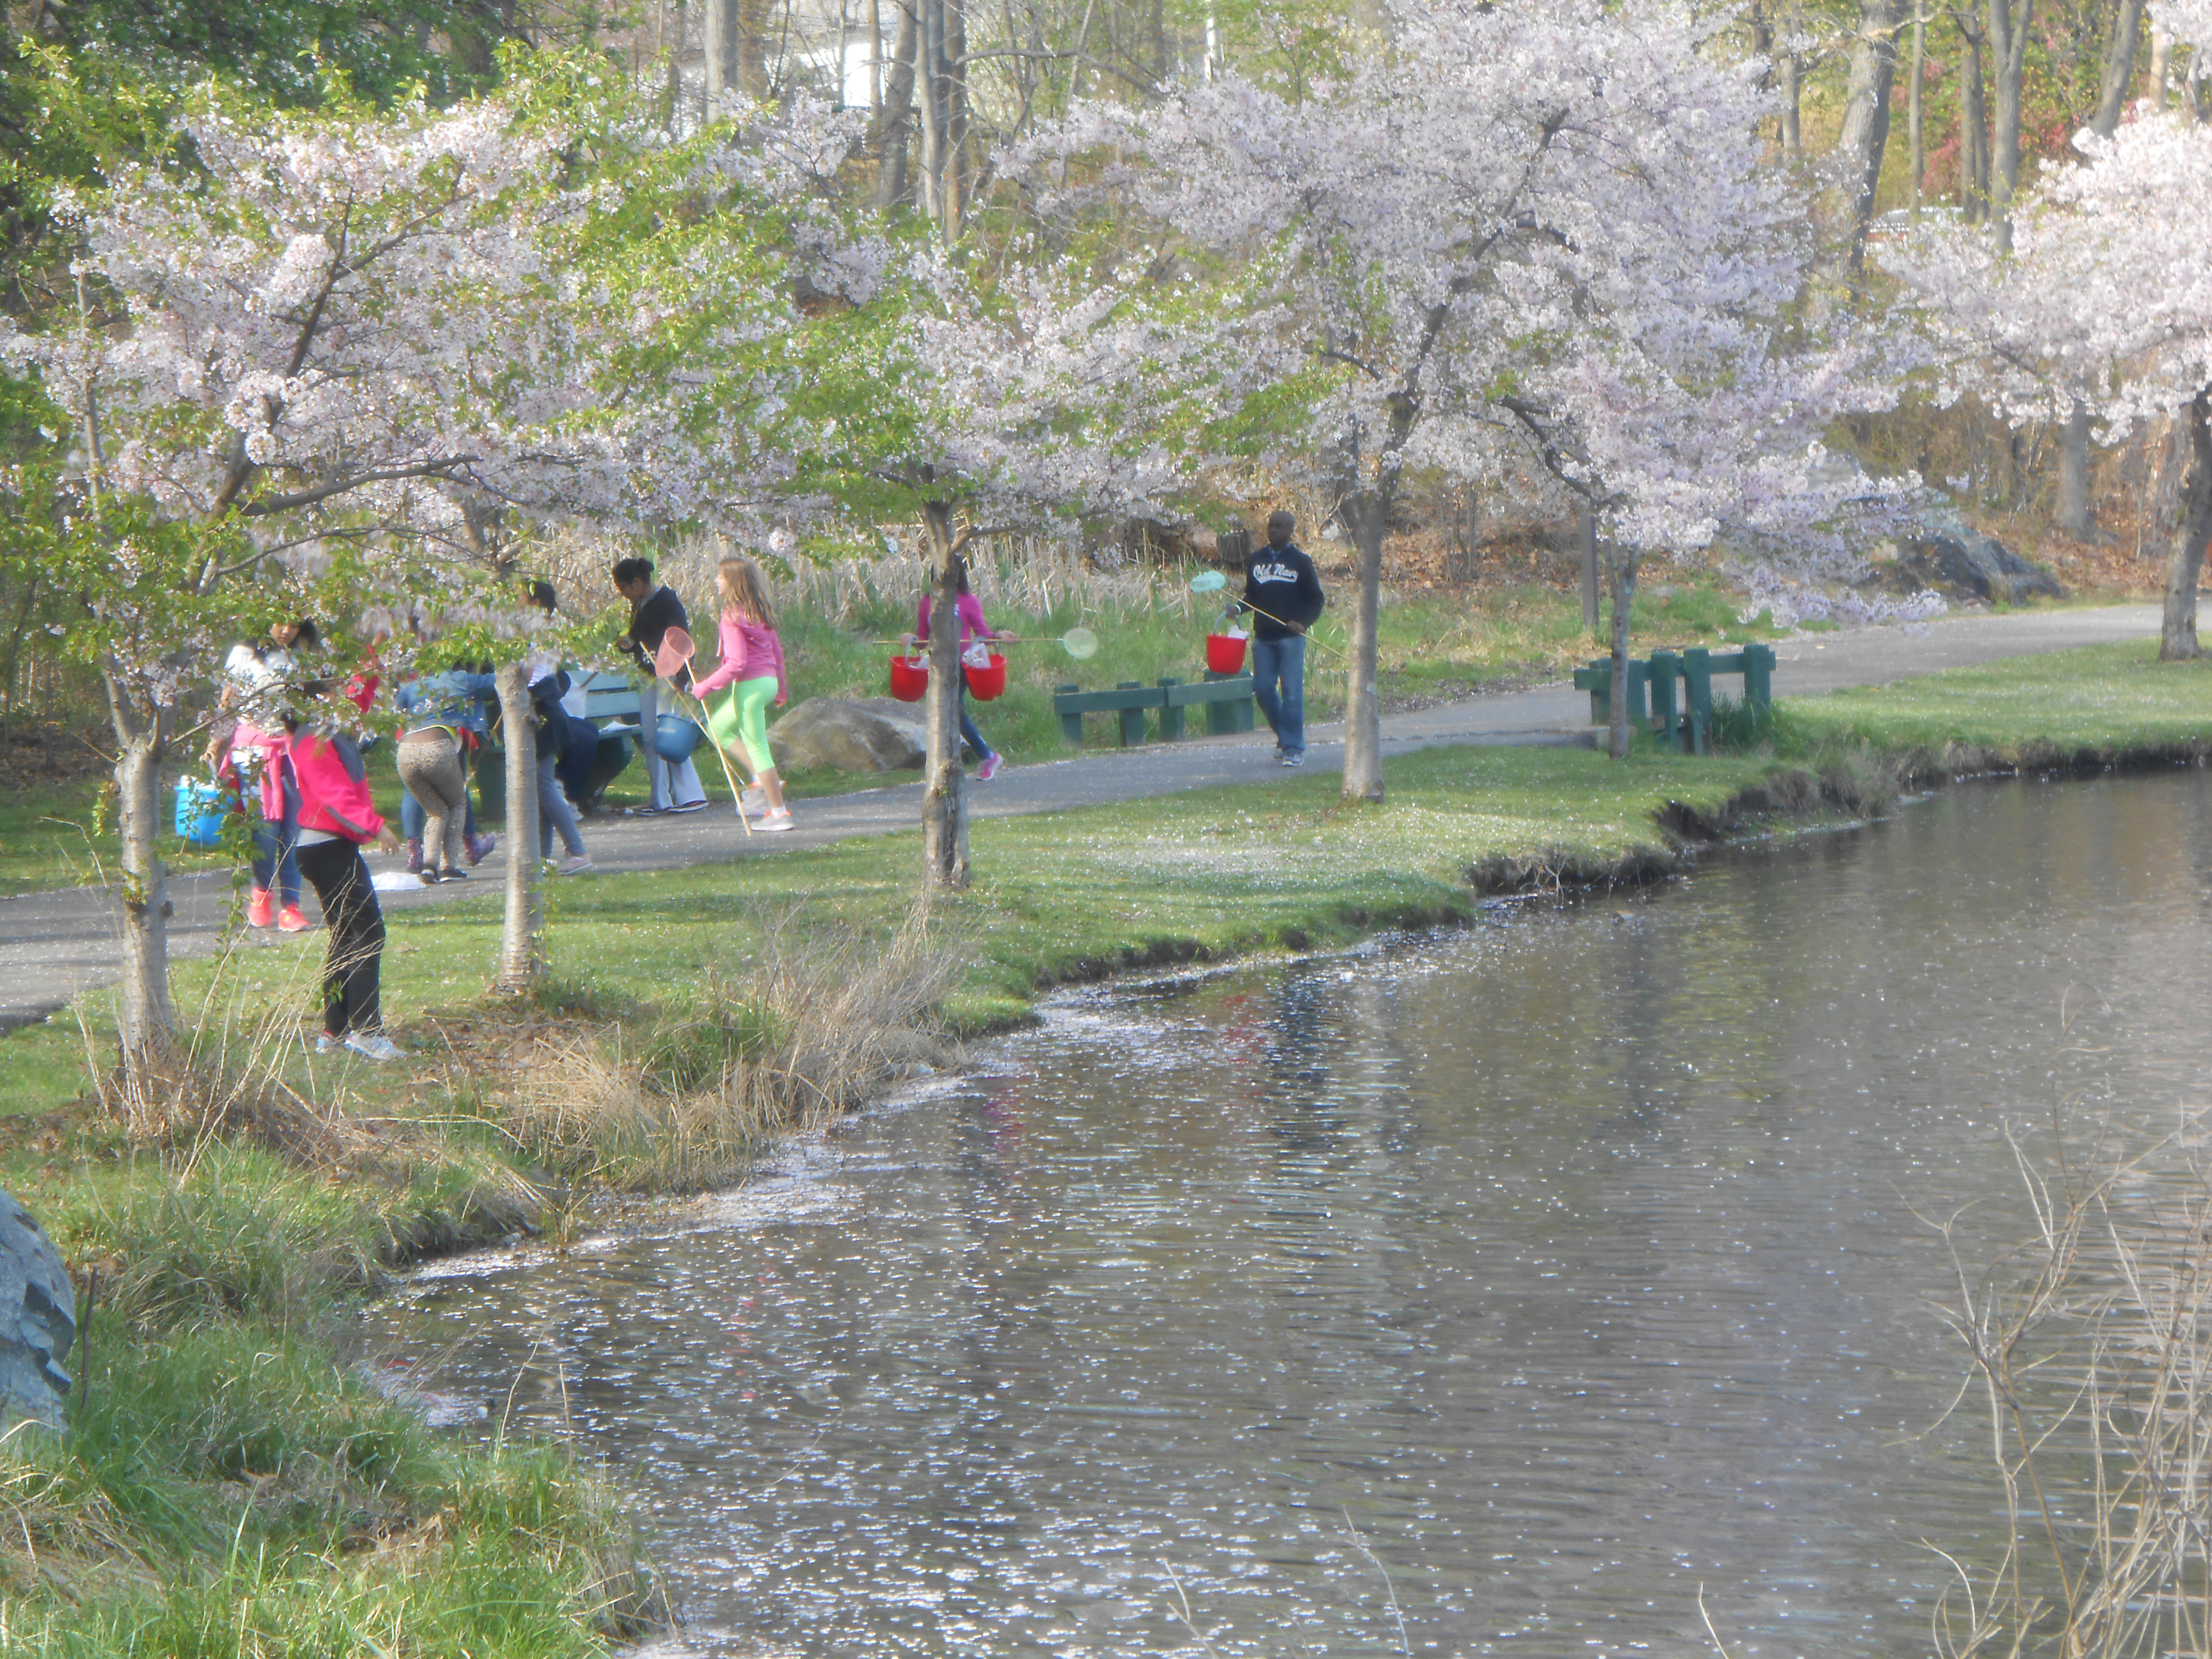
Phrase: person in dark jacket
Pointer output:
(654, 610)
(1282, 590)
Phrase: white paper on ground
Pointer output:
(393, 881)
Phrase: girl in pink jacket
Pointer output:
(752, 667)
(337, 818)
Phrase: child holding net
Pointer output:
(752, 668)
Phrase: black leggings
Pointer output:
(353, 966)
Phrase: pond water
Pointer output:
(1563, 1269)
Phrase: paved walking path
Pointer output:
(54, 944)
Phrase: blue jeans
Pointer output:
(1282, 659)
(968, 734)
(554, 813)
(276, 862)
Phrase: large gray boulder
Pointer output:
(874, 734)
(1962, 564)
(37, 1321)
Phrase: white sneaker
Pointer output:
(577, 865)
(327, 1044)
(372, 1045)
(772, 821)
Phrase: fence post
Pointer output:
(1231, 714)
(1170, 716)
(1758, 676)
(1639, 679)
(1697, 671)
(1071, 726)
(1661, 673)
(1133, 720)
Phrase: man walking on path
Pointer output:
(1282, 590)
(653, 611)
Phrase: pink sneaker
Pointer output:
(289, 921)
(989, 769)
(260, 909)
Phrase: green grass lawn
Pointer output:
(2104, 698)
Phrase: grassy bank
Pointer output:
(230, 1485)
(230, 1477)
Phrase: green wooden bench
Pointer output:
(1651, 686)
(1227, 699)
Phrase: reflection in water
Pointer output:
(1568, 1259)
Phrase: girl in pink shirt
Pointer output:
(752, 667)
(970, 610)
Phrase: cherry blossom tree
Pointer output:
(279, 349)
(1541, 226)
(2105, 303)
(393, 338)
(1031, 403)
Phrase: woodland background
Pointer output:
(84, 84)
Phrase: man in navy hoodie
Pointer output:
(1282, 591)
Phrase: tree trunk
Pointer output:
(2177, 639)
(2009, 50)
(1973, 129)
(737, 48)
(1366, 513)
(2074, 472)
(876, 63)
(943, 800)
(892, 186)
(2119, 68)
(956, 169)
(1620, 566)
(1865, 133)
(2161, 64)
(719, 35)
(522, 939)
(1915, 140)
(929, 91)
(1793, 99)
(146, 1016)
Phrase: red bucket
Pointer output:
(909, 679)
(985, 684)
(1224, 654)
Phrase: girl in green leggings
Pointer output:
(752, 667)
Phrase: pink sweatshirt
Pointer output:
(750, 652)
(970, 610)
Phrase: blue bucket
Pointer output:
(199, 812)
(674, 738)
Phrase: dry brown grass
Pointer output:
(229, 1075)
(2090, 1359)
(812, 1030)
(58, 1533)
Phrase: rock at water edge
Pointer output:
(37, 1321)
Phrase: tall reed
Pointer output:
(825, 1016)
(2089, 1349)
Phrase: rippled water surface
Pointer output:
(1558, 1269)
